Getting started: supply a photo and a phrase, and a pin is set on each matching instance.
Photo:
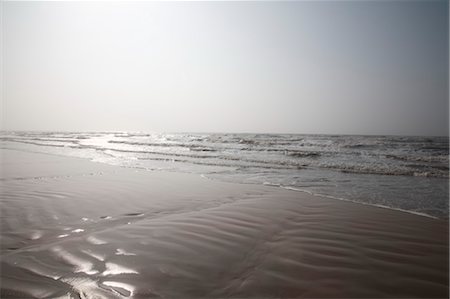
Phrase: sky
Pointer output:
(338, 67)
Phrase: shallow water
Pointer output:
(398, 172)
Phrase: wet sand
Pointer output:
(71, 228)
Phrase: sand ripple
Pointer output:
(214, 240)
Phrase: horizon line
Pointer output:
(217, 132)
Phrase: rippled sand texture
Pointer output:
(76, 229)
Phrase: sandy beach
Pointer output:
(224, 149)
(71, 228)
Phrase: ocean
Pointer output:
(395, 172)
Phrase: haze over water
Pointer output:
(329, 67)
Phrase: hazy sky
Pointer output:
(297, 67)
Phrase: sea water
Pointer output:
(398, 172)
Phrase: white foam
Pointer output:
(114, 269)
(36, 235)
(95, 240)
(78, 230)
(358, 202)
(271, 184)
(298, 189)
(120, 251)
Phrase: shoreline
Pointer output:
(295, 189)
(82, 227)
